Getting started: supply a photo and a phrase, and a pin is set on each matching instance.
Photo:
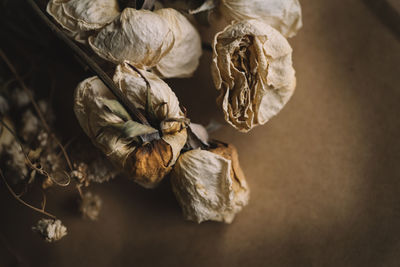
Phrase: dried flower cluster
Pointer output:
(153, 137)
(51, 230)
(90, 206)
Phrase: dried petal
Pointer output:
(183, 59)
(252, 68)
(79, 17)
(51, 230)
(210, 185)
(283, 15)
(146, 163)
(138, 36)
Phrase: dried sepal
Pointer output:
(146, 162)
(51, 230)
(209, 184)
(283, 15)
(139, 36)
(183, 58)
(252, 68)
(80, 18)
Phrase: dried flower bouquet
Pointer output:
(134, 118)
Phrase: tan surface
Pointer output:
(324, 173)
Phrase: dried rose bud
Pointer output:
(209, 184)
(111, 128)
(252, 68)
(50, 229)
(183, 58)
(90, 206)
(139, 36)
(283, 15)
(80, 17)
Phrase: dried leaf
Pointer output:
(116, 108)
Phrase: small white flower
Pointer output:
(50, 229)
(91, 206)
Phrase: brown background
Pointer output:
(324, 173)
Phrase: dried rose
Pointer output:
(283, 15)
(252, 68)
(183, 58)
(139, 36)
(80, 17)
(50, 229)
(209, 184)
(111, 128)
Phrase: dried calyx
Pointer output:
(209, 183)
(252, 69)
(123, 140)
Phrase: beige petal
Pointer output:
(138, 36)
(78, 17)
(183, 59)
(283, 15)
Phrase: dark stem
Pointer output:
(132, 110)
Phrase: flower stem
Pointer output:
(134, 112)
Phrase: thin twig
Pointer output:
(35, 105)
(23, 202)
(134, 112)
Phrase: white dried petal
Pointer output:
(138, 36)
(283, 15)
(90, 206)
(183, 58)
(79, 17)
(92, 117)
(210, 186)
(252, 68)
(50, 229)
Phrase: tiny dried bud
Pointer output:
(47, 183)
(80, 17)
(80, 173)
(112, 129)
(90, 206)
(210, 185)
(138, 36)
(252, 68)
(283, 15)
(51, 230)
